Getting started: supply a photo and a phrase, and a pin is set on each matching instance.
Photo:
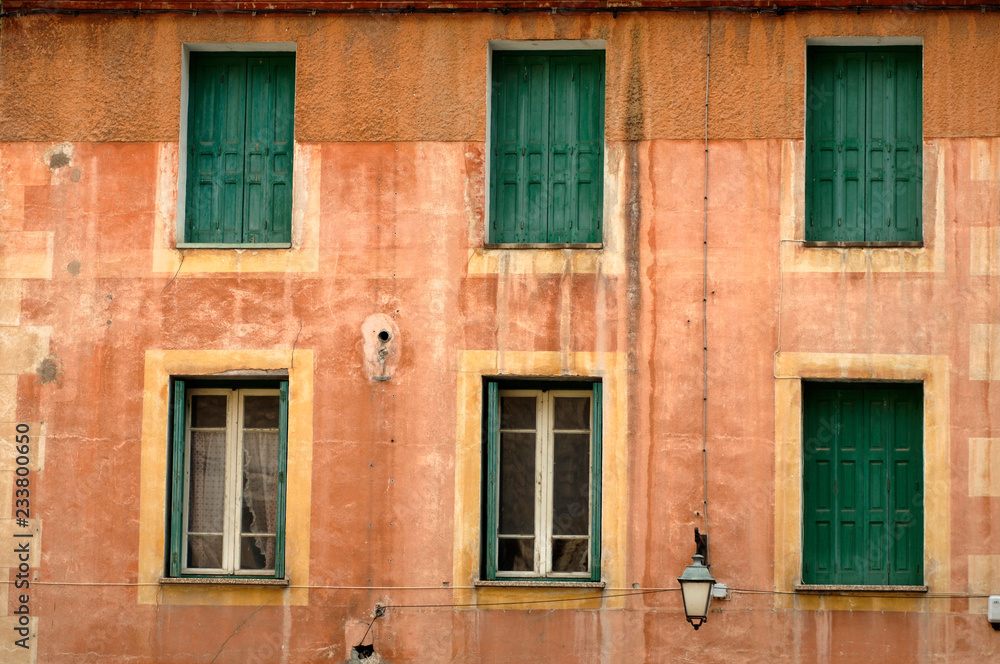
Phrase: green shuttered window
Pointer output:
(240, 142)
(542, 464)
(863, 144)
(228, 465)
(863, 484)
(547, 161)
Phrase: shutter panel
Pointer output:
(269, 136)
(215, 137)
(596, 492)
(820, 421)
(879, 174)
(492, 499)
(519, 179)
(849, 488)
(279, 537)
(904, 107)
(577, 143)
(177, 478)
(835, 131)
(906, 488)
(874, 568)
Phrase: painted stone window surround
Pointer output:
(173, 257)
(155, 586)
(797, 255)
(475, 367)
(791, 368)
(550, 257)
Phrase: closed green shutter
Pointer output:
(863, 473)
(863, 134)
(216, 149)
(241, 128)
(546, 180)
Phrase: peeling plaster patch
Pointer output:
(73, 268)
(48, 370)
(59, 156)
(75, 175)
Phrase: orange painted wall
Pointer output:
(395, 107)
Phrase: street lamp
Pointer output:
(696, 589)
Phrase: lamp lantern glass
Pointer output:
(696, 589)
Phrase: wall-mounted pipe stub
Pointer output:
(380, 346)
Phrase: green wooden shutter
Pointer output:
(596, 432)
(269, 118)
(215, 149)
(520, 178)
(906, 495)
(873, 564)
(279, 537)
(492, 502)
(177, 478)
(576, 150)
(863, 475)
(820, 423)
(904, 92)
(835, 133)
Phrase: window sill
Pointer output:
(864, 245)
(852, 589)
(546, 245)
(222, 581)
(540, 583)
(252, 245)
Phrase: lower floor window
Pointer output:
(863, 484)
(228, 479)
(543, 481)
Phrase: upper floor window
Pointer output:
(228, 479)
(863, 144)
(240, 141)
(543, 481)
(547, 147)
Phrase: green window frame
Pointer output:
(864, 171)
(228, 479)
(863, 502)
(240, 143)
(542, 495)
(547, 147)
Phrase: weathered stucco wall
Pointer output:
(423, 77)
(390, 182)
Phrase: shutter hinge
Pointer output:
(840, 147)
(889, 146)
(572, 75)
(522, 224)
(173, 559)
(522, 152)
(526, 73)
(888, 222)
(838, 221)
(840, 74)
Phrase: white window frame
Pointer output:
(544, 446)
(233, 499)
(541, 45)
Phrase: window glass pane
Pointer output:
(260, 412)
(570, 555)
(207, 476)
(257, 552)
(204, 551)
(572, 413)
(517, 412)
(208, 410)
(517, 483)
(571, 484)
(260, 493)
(516, 555)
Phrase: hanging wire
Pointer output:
(704, 308)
